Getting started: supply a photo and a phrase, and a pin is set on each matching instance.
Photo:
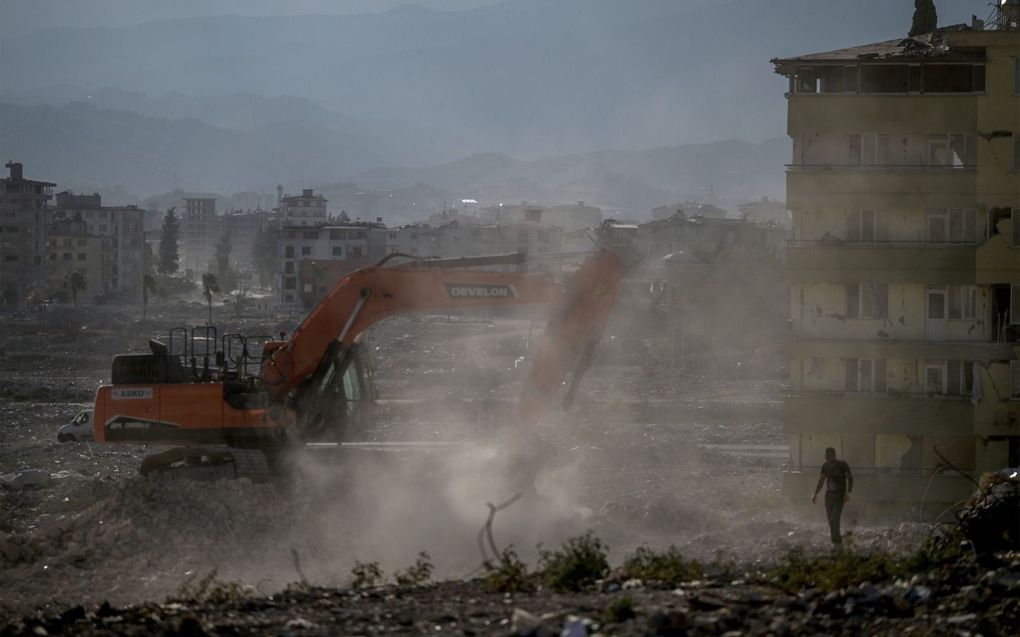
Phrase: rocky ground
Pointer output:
(634, 461)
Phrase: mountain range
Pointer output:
(231, 102)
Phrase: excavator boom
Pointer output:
(301, 392)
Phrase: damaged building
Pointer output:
(904, 268)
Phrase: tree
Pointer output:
(148, 285)
(76, 282)
(169, 259)
(209, 287)
(223, 254)
(926, 18)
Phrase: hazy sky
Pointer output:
(22, 16)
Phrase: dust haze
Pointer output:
(396, 113)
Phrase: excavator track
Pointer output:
(207, 464)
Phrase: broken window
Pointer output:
(959, 378)
(915, 78)
(962, 226)
(861, 225)
(962, 301)
(831, 79)
(959, 146)
(954, 78)
(1014, 304)
(935, 377)
(806, 80)
(938, 150)
(885, 78)
(867, 300)
(850, 79)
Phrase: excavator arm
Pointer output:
(581, 304)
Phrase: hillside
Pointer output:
(526, 77)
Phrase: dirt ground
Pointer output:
(636, 460)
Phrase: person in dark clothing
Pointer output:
(839, 482)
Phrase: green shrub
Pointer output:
(417, 574)
(509, 574)
(366, 575)
(832, 572)
(668, 567)
(578, 564)
(620, 610)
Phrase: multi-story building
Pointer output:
(904, 188)
(125, 226)
(198, 234)
(355, 245)
(73, 249)
(306, 209)
(24, 224)
(242, 228)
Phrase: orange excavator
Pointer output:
(232, 404)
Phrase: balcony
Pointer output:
(829, 186)
(904, 113)
(884, 262)
(905, 414)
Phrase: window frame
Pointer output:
(966, 298)
(877, 373)
(864, 292)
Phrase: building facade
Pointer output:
(199, 233)
(25, 218)
(125, 227)
(72, 249)
(357, 244)
(306, 209)
(904, 268)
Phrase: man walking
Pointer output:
(839, 482)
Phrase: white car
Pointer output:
(78, 429)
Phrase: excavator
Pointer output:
(233, 404)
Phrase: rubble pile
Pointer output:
(961, 599)
(991, 518)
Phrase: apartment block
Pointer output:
(124, 226)
(73, 249)
(352, 245)
(306, 209)
(904, 266)
(24, 224)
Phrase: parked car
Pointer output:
(80, 428)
